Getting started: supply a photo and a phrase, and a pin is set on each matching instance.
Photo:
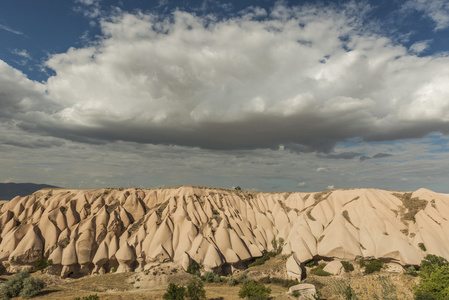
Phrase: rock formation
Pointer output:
(93, 231)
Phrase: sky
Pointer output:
(267, 95)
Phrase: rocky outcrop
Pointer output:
(293, 267)
(94, 231)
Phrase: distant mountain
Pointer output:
(10, 190)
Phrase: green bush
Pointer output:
(310, 263)
(254, 290)
(90, 297)
(278, 245)
(31, 287)
(208, 276)
(362, 263)
(411, 271)
(319, 270)
(114, 269)
(231, 281)
(422, 247)
(194, 269)
(278, 281)
(259, 261)
(434, 279)
(243, 277)
(374, 265)
(195, 289)
(347, 266)
(21, 284)
(296, 294)
(42, 263)
(174, 292)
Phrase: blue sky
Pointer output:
(270, 96)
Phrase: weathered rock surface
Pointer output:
(293, 266)
(306, 290)
(93, 231)
(334, 267)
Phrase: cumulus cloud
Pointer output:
(305, 78)
(331, 187)
(419, 47)
(301, 184)
(437, 10)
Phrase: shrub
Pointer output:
(259, 261)
(411, 271)
(42, 263)
(296, 294)
(271, 254)
(422, 247)
(362, 263)
(114, 269)
(194, 269)
(373, 266)
(21, 284)
(434, 282)
(242, 277)
(278, 281)
(278, 245)
(231, 281)
(254, 290)
(31, 287)
(174, 292)
(347, 266)
(195, 289)
(319, 270)
(209, 276)
(310, 263)
(90, 297)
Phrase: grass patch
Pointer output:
(319, 270)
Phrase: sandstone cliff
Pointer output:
(93, 231)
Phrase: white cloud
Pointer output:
(437, 10)
(321, 169)
(301, 184)
(419, 47)
(331, 187)
(9, 29)
(305, 77)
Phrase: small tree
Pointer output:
(174, 292)
(42, 263)
(373, 266)
(195, 289)
(347, 266)
(434, 282)
(254, 290)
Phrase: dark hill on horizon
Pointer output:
(10, 190)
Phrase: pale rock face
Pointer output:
(125, 257)
(334, 267)
(93, 230)
(306, 290)
(293, 266)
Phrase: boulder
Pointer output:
(334, 267)
(293, 265)
(306, 290)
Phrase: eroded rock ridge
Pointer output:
(95, 231)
